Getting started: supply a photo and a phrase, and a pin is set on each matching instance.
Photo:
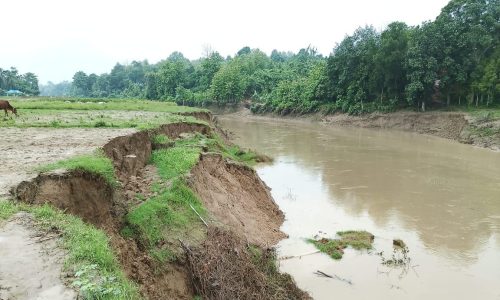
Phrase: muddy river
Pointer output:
(440, 197)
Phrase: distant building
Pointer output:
(14, 93)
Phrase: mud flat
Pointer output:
(30, 264)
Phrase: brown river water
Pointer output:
(440, 197)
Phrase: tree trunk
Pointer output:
(477, 100)
(423, 106)
(448, 99)
(459, 99)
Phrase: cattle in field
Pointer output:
(5, 105)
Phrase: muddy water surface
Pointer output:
(441, 197)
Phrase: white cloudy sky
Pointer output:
(56, 38)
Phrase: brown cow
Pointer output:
(5, 105)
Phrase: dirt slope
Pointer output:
(30, 267)
(442, 124)
(237, 198)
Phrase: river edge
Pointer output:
(456, 126)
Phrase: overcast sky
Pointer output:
(56, 38)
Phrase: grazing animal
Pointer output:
(5, 105)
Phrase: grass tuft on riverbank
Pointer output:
(96, 163)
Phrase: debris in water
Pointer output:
(320, 273)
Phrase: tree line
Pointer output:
(11, 79)
(454, 60)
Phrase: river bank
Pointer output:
(161, 203)
(481, 130)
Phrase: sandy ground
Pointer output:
(23, 149)
(31, 264)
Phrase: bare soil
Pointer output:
(23, 149)
(237, 198)
(30, 264)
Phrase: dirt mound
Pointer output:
(236, 197)
(77, 192)
(30, 265)
(224, 267)
(442, 124)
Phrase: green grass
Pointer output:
(54, 118)
(100, 104)
(96, 163)
(160, 220)
(215, 144)
(161, 139)
(335, 247)
(175, 161)
(89, 255)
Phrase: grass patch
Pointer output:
(89, 256)
(161, 139)
(96, 163)
(160, 220)
(335, 247)
(484, 131)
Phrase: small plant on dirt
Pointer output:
(100, 124)
(93, 286)
(55, 123)
(335, 247)
(161, 139)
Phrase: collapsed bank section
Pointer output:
(171, 212)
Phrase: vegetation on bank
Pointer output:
(335, 247)
(60, 113)
(453, 60)
(173, 212)
(96, 163)
(98, 274)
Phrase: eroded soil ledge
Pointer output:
(239, 206)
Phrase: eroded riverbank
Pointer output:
(439, 196)
(481, 131)
(159, 244)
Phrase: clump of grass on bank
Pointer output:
(161, 139)
(89, 255)
(96, 163)
(216, 144)
(335, 247)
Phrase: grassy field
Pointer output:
(116, 113)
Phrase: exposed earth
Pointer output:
(31, 263)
